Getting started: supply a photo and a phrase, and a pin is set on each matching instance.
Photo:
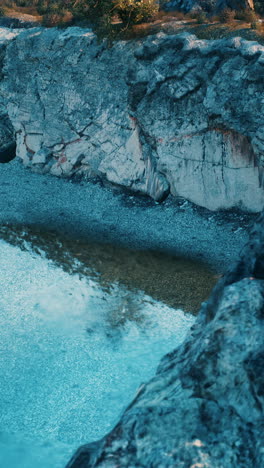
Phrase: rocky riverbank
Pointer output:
(204, 407)
(92, 211)
(180, 118)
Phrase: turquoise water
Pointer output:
(72, 355)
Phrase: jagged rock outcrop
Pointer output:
(205, 406)
(164, 114)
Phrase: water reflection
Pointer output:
(179, 282)
(74, 349)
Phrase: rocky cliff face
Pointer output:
(7, 139)
(204, 407)
(165, 114)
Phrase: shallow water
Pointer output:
(74, 349)
(177, 281)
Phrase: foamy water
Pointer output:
(72, 355)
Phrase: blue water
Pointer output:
(67, 367)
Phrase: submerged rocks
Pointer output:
(205, 405)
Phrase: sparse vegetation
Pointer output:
(128, 19)
(131, 12)
(259, 7)
(255, 25)
(249, 16)
(99, 14)
(201, 18)
(227, 16)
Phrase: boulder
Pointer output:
(205, 405)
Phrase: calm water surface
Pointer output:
(78, 336)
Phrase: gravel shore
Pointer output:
(91, 211)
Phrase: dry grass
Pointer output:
(25, 14)
(213, 29)
(236, 28)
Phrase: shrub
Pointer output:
(21, 3)
(57, 19)
(135, 11)
(93, 10)
(259, 7)
(2, 12)
(43, 7)
(227, 16)
(255, 25)
(249, 16)
(201, 17)
(50, 20)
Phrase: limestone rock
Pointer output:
(165, 114)
(205, 405)
(7, 137)
(16, 23)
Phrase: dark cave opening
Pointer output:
(7, 153)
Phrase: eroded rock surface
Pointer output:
(164, 114)
(205, 406)
(7, 137)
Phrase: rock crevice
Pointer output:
(7, 138)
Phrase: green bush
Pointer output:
(227, 16)
(201, 17)
(249, 16)
(21, 3)
(255, 25)
(50, 7)
(43, 7)
(93, 10)
(259, 7)
(97, 14)
(135, 11)
(2, 12)
(60, 19)
(50, 20)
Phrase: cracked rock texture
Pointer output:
(167, 114)
(7, 137)
(204, 408)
